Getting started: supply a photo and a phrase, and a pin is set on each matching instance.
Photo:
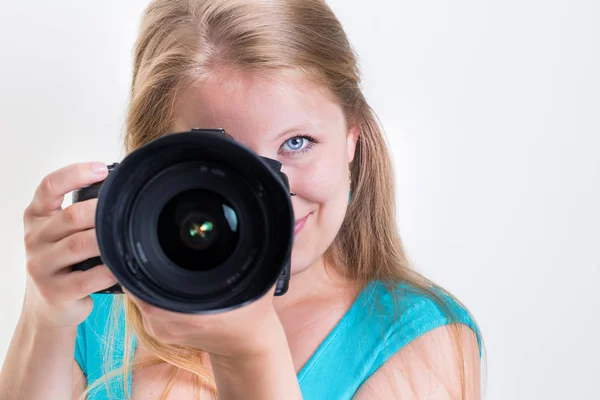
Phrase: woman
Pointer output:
(357, 322)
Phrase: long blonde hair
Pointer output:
(181, 42)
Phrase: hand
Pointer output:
(249, 353)
(241, 333)
(55, 239)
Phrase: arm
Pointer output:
(428, 368)
(39, 363)
(266, 374)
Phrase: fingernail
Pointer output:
(99, 168)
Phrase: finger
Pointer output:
(63, 254)
(75, 218)
(50, 194)
(79, 284)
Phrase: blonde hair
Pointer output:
(180, 43)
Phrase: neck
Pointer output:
(311, 283)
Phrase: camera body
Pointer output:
(86, 193)
(194, 222)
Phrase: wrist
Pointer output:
(259, 344)
(37, 328)
(264, 372)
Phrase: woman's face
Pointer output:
(290, 120)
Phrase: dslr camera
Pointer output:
(194, 222)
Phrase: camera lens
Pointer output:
(198, 229)
(195, 222)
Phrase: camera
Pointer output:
(194, 222)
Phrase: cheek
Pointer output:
(322, 190)
(319, 182)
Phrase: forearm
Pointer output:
(268, 374)
(38, 364)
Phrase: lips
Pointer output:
(300, 223)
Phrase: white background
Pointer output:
(492, 111)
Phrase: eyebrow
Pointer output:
(299, 128)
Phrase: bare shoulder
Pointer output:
(432, 366)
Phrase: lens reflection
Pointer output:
(198, 229)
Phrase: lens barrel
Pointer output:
(194, 222)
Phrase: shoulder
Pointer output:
(430, 341)
(442, 364)
(407, 312)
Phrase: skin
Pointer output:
(260, 114)
(256, 351)
(266, 116)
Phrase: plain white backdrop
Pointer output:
(492, 113)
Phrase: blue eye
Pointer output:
(295, 143)
(298, 144)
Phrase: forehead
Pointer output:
(243, 104)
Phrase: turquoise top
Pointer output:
(368, 334)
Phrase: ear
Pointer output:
(351, 139)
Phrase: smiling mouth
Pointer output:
(300, 223)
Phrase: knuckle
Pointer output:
(148, 310)
(143, 308)
(34, 266)
(30, 238)
(83, 286)
(47, 294)
(160, 334)
(27, 214)
(47, 185)
(77, 243)
(86, 305)
(174, 333)
(156, 334)
(74, 215)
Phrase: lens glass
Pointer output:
(198, 229)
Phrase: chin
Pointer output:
(295, 271)
(298, 266)
(301, 260)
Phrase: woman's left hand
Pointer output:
(242, 332)
(248, 348)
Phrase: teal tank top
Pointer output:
(375, 327)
